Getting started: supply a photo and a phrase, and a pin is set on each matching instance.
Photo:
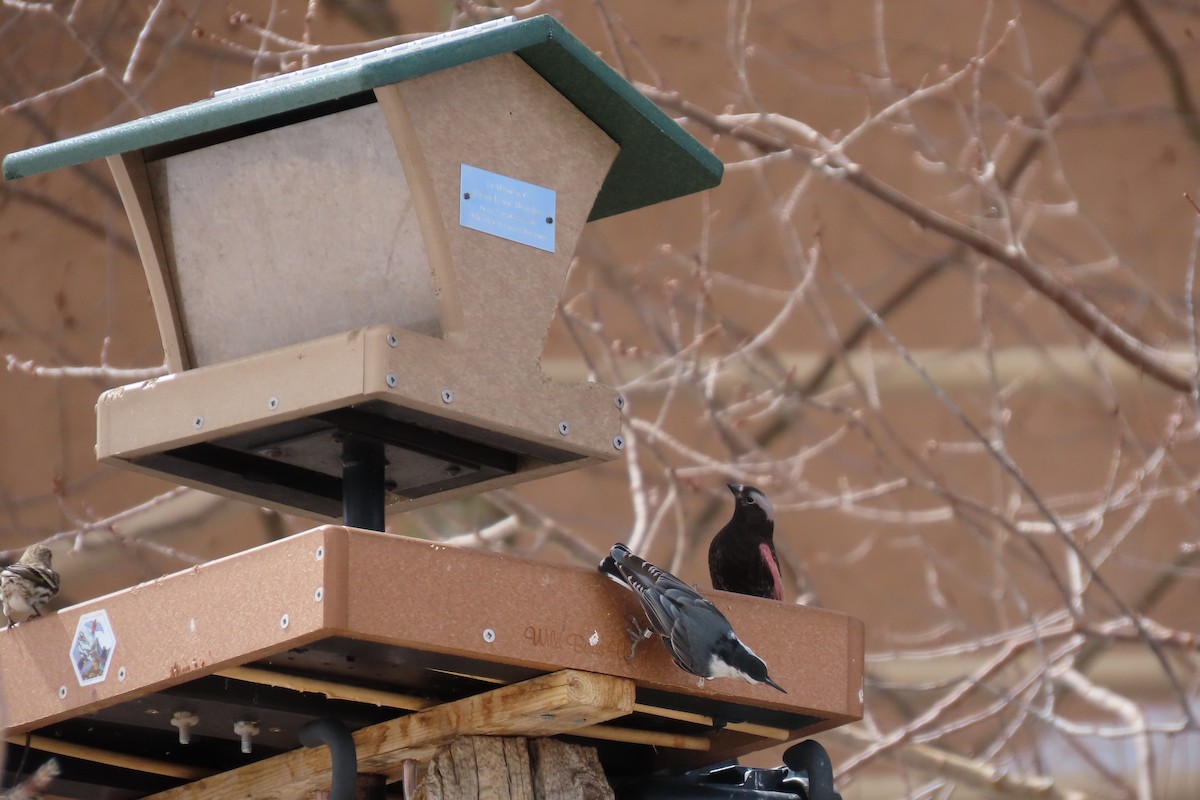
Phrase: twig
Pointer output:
(51, 94)
(970, 772)
(1009, 467)
(924, 276)
(1176, 77)
(110, 522)
(143, 37)
(118, 374)
(1058, 98)
(1128, 347)
(81, 221)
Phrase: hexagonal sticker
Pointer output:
(92, 648)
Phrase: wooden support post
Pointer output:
(545, 706)
(514, 768)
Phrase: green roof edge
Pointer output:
(658, 160)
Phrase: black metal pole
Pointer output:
(362, 482)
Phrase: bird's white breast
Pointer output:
(720, 669)
(15, 600)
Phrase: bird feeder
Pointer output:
(160, 689)
(354, 268)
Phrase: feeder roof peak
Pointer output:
(658, 160)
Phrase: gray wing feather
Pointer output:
(671, 605)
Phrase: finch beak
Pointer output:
(736, 488)
(774, 685)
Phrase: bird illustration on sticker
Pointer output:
(696, 634)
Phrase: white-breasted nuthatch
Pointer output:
(698, 636)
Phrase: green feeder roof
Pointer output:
(658, 159)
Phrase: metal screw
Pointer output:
(62, 693)
(447, 396)
(619, 401)
(245, 730)
(284, 621)
(198, 423)
(185, 721)
(319, 594)
(619, 442)
(391, 380)
(273, 403)
(549, 220)
(320, 552)
(564, 428)
(121, 674)
(392, 340)
(466, 195)
(489, 635)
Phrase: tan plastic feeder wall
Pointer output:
(351, 219)
(246, 288)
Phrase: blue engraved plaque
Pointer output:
(506, 207)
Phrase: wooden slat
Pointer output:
(782, 734)
(545, 706)
(613, 733)
(100, 756)
(331, 689)
(358, 694)
(752, 728)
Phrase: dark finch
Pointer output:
(742, 556)
(698, 636)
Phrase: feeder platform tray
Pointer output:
(410, 643)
